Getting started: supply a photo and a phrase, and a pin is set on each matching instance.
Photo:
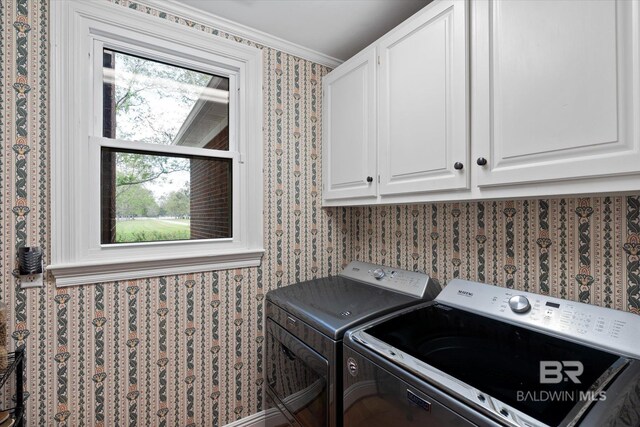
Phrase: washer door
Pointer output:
(297, 376)
(373, 397)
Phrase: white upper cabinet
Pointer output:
(488, 99)
(422, 103)
(349, 129)
(556, 90)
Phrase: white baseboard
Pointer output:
(255, 420)
(259, 419)
(273, 416)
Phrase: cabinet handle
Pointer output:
(481, 161)
(369, 179)
(458, 166)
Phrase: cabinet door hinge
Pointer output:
(378, 178)
(378, 59)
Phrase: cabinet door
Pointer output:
(422, 102)
(556, 89)
(349, 136)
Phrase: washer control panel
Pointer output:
(604, 328)
(395, 279)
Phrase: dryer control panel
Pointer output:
(412, 283)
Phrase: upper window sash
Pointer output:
(99, 43)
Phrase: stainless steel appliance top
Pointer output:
(360, 293)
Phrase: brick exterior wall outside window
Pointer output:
(108, 172)
(211, 193)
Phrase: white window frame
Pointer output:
(79, 31)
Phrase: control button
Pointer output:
(504, 412)
(481, 398)
(378, 273)
(519, 304)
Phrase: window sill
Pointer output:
(89, 273)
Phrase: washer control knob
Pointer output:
(378, 273)
(519, 304)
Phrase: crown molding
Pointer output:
(191, 13)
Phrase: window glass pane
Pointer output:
(156, 197)
(157, 103)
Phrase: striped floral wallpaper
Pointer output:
(583, 249)
(166, 351)
(186, 350)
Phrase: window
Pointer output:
(157, 143)
(148, 196)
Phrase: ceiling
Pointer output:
(337, 28)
